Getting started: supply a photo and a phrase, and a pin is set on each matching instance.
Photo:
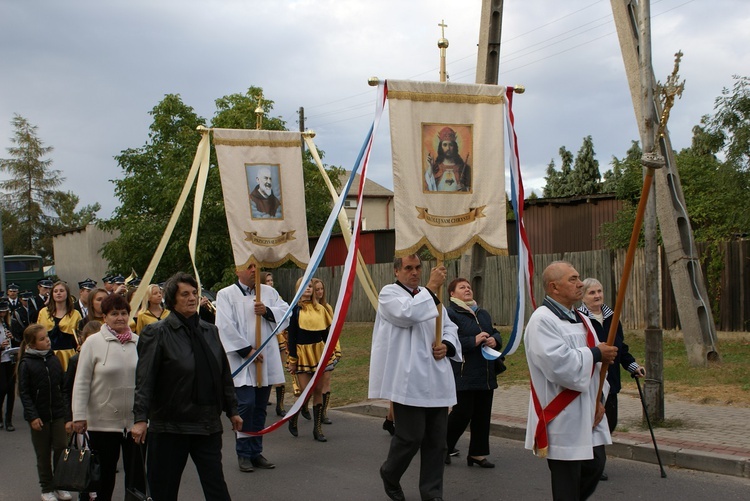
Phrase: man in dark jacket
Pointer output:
(183, 383)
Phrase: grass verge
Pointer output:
(726, 383)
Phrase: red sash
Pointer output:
(561, 401)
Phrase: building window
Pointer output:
(362, 226)
(350, 204)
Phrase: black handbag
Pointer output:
(78, 467)
(133, 493)
(500, 366)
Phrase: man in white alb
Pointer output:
(408, 368)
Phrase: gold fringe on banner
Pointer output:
(445, 98)
(271, 264)
(259, 142)
(455, 253)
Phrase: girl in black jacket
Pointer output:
(475, 376)
(40, 380)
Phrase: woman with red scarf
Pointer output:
(103, 396)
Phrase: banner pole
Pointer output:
(363, 274)
(258, 340)
(439, 320)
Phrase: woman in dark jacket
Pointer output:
(475, 376)
(601, 315)
(182, 384)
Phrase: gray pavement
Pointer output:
(708, 438)
(345, 469)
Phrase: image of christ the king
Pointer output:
(265, 191)
(448, 148)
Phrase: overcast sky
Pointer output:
(87, 72)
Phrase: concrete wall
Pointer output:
(78, 256)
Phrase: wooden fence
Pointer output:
(606, 265)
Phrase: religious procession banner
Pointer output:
(448, 167)
(264, 196)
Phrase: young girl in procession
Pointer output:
(151, 309)
(308, 331)
(319, 290)
(61, 320)
(96, 297)
(40, 380)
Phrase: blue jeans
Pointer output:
(252, 403)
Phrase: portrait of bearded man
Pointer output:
(448, 171)
(263, 202)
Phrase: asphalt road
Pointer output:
(346, 468)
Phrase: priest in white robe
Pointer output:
(236, 311)
(407, 368)
(565, 361)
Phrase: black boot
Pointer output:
(306, 410)
(326, 403)
(293, 425)
(280, 391)
(317, 430)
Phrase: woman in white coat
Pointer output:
(103, 396)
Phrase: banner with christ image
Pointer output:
(448, 167)
(264, 196)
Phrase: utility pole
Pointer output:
(302, 128)
(684, 266)
(654, 387)
(488, 66)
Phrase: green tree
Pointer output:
(560, 184)
(625, 181)
(717, 194)
(33, 209)
(728, 130)
(154, 175)
(566, 186)
(162, 165)
(553, 181)
(586, 179)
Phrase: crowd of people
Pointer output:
(92, 367)
(158, 379)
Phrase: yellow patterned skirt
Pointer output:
(308, 356)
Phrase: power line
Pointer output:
(512, 56)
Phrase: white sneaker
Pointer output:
(48, 496)
(63, 495)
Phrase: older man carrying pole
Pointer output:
(566, 422)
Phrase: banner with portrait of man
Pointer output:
(448, 167)
(264, 196)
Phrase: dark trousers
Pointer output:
(251, 405)
(48, 444)
(167, 457)
(418, 429)
(107, 445)
(576, 480)
(472, 407)
(610, 409)
(7, 390)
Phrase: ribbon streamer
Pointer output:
(325, 236)
(525, 261)
(347, 280)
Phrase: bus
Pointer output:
(24, 271)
